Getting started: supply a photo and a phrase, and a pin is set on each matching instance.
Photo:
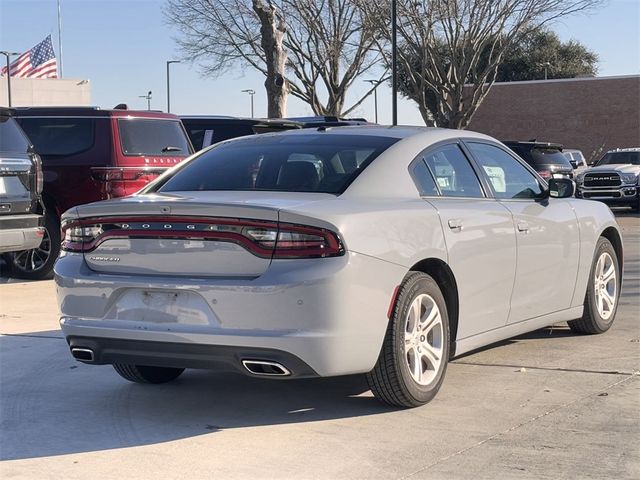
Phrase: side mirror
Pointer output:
(561, 188)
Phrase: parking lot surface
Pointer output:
(549, 404)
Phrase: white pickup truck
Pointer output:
(613, 179)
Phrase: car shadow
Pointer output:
(55, 406)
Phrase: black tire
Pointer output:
(390, 380)
(37, 264)
(144, 374)
(592, 322)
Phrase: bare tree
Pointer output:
(449, 51)
(314, 49)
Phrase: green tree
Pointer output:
(527, 58)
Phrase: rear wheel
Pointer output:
(603, 291)
(413, 360)
(37, 263)
(145, 374)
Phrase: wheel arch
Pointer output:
(612, 234)
(442, 274)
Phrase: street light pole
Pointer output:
(251, 92)
(169, 62)
(8, 56)
(148, 97)
(546, 65)
(394, 66)
(375, 83)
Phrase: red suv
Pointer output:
(89, 154)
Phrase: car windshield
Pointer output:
(155, 137)
(620, 158)
(288, 163)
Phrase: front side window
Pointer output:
(59, 136)
(299, 163)
(509, 179)
(453, 172)
(154, 137)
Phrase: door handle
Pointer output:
(523, 227)
(455, 224)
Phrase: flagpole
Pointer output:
(60, 37)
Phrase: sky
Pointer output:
(122, 46)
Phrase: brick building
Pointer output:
(592, 114)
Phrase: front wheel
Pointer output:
(413, 360)
(603, 291)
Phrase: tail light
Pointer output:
(263, 239)
(546, 174)
(122, 174)
(39, 176)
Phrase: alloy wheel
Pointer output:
(423, 339)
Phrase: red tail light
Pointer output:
(546, 174)
(263, 239)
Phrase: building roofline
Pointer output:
(576, 79)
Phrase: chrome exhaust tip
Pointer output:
(265, 368)
(82, 354)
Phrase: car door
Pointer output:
(546, 231)
(479, 235)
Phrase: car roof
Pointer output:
(618, 150)
(222, 119)
(532, 144)
(75, 111)
(397, 131)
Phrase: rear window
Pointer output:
(539, 156)
(59, 136)
(620, 158)
(290, 163)
(11, 137)
(153, 137)
(203, 135)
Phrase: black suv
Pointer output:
(21, 222)
(205, 130)
(545, 158)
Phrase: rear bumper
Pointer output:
(326, 316)
(20, 232)
(167, 354)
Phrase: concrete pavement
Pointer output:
(548, 404)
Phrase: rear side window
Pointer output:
(508, 178)
(153, 137)
(453, 172)
(59, 136)
(300, 163)
(423, 179)
(11, 137)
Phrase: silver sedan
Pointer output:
(377, 250)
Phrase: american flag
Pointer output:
(39, 62)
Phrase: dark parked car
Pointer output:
(545, 158)
(89, 154)
(205, 130)
(20, 187)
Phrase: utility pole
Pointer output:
(375, 84)
(251, 92)
(394, 66)
(169, 62)
(148, 97)
(8, 56)
(60, 37)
